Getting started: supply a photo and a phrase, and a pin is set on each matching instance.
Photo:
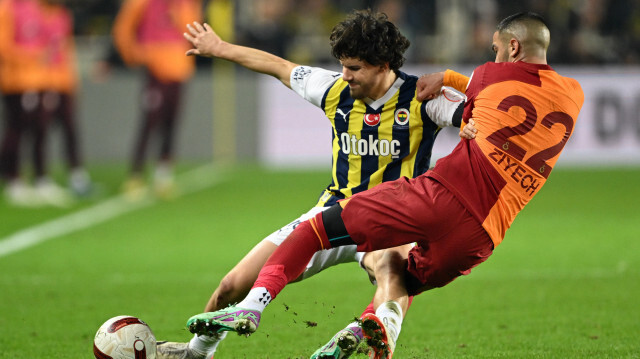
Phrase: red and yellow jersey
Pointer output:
(149, 33)
(23, 43)
(524, 113)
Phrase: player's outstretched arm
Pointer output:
(208, 44)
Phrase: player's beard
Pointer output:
(358, 92)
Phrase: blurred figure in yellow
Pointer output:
(148, 33)
(23, 58)
(62, 83)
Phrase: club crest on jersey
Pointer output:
(401, 116)
(372, 119)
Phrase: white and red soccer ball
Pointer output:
(124, 337)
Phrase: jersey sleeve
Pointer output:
(446, 109)
(312, 82)
(124, 30)
(455, 80)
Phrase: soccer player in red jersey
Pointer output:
(458, 212)
(380, 133)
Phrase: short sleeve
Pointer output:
(312, 82)
(445, 110)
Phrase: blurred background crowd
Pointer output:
(441, 31)
(49, 47)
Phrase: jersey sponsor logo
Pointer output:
(372, 119)
(369, 147)
(401, 116)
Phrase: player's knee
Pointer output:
(229, 290)
(390, 263)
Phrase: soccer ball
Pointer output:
(124, 337)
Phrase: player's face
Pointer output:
(364, 79)
(500, 48)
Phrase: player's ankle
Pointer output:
(206, 344)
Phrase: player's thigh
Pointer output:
(246, 271)
(371, 260)
(281, 234)
(324, 259)
(437, 263)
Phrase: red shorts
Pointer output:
(449, 240)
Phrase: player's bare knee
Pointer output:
(228, 290)
(390, 262)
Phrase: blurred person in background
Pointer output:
(148, 33)
(23, 58)
(60, 96)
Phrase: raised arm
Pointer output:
(429, 85)
(208, 44)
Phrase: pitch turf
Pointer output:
(564, 284)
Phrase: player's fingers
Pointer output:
(465, 133)
(193, 52)
(192, 30)
(207, 27)
(198, 26)
(423, 95)
(189, 38)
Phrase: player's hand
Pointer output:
(469, 130)
(204, 40)
(429, 86)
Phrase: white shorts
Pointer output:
(323, 259)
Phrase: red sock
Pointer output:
(372, 310)
(369, 310)
(289, 260)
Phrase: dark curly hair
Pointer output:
(370, 37)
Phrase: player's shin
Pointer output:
(289, 260)
(284, 265)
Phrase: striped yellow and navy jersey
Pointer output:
(375, 141)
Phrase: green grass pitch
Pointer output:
(565, 283)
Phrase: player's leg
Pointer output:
(235, 285)
(325, 230)
(377, 264)
(431, 264)
(382, 328)
(16, 191)
(244, 317)
(134, 187)
(14, 127)
(46, 188)
(79, 180)
(163, 178)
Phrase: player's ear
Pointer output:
(514, 48)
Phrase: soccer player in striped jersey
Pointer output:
(458, 212)
(380, 133)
